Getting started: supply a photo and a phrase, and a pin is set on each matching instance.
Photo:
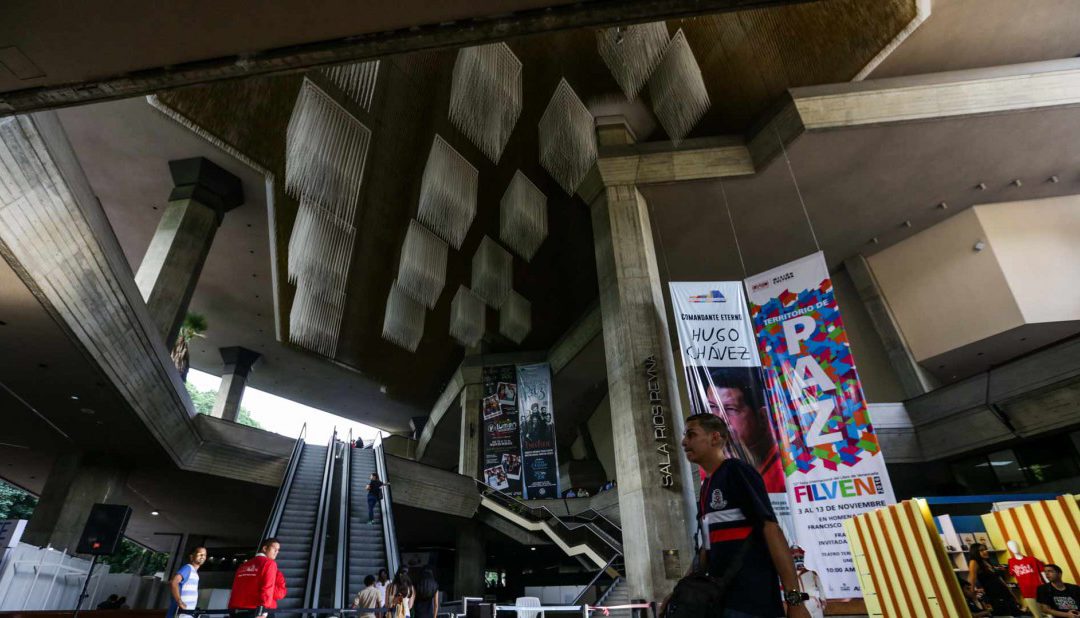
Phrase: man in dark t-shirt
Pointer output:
(736, 519)
(1056, 598)
(374, 494)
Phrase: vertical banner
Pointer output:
(539, 462)
(502, 435)
(723, 377)
(830, 452)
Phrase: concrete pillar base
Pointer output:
(76, 482)
(470, 560)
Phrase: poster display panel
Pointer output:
(829, 450)
(539, 461)
(723, 377)
(501, 467)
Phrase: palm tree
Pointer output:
(194, 325)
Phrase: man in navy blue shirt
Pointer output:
(737, 521)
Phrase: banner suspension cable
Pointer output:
(798, 191)
(734, 234)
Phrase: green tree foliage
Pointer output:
(15, 503)
(131, 557)
(204, 404)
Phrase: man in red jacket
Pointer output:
(257, 581)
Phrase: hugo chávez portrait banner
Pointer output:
(830, 453)
(723, 377)
(539, 460)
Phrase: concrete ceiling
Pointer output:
(124, 147)
(969, 34)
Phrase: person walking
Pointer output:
(382, 580)
(400, 594)
(427, 596)
(984, 574)
(368, 598)
(374, 494)
(184, 585)
(256, 583)
(740, 538)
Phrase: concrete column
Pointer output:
(469, 560)
(471, 398)
(76, 482)
(655, 485)
(170, 269)
(913, 378)
(238, 363)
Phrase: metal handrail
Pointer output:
(540, 512)
(318, 544)
(607, 593)
(387, 507)
(592, 582)
(283, 491)
(340, 591)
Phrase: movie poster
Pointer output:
(502, 436)
(539, 462)
(830, 453)
(723, 377)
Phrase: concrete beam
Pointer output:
(238, 363)
(432, 489)
(295, 58)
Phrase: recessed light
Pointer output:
(532, 549)
(155, 513)
(74, 397)
(1016, 183)
(87, 410)
(1053, 178)
(943, 206)
(981, 186)
(907, 223)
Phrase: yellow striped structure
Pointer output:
(902, 565)
(1048, 530)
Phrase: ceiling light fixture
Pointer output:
(632, 53)
(677, 90)
(403, 321)
(155, 513)
(515, 317)
(467, 316)
(485, 96)
(1053, 179)
(492, 272)
(447, 193)
(567, 135)
(943, 206)
(1016, 183)
(981, 186)
(422, 267)
(357, 80)
(523, 216)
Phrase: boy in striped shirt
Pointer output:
(738, 528)
(184, 586)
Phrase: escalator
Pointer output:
(298, 521)
(367, 545)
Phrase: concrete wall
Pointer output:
(944, 294)
(600, 430)
(1036, 244)
(876, 373)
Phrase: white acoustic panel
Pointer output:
(422, 269)
(492, 272)
(567, 138)
(315, 319)
(631, 53)
(677, 90)
(403, 321)
(320, 248)
(515, 317)
(325, 153)
(357, 80)
(447, 193)
(467, 316)
(485, 96)
(523, 216)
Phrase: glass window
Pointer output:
(1006, 468)
(975, 475)
(1049, 459)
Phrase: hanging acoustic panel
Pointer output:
(356, 80)
(492, 272)
(422, 269)
(447, 193)
(325, 153)
(315, 319)
(631, 53)
(467, 315)
(515, 317)
(485, 96)
(523, 223)
(567, 138)
(403, 321)
(677, 90)
(320, 248)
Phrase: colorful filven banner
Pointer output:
(502, 434)
(723, 377)
(830, 453)
(539, 461)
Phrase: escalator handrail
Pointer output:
(278, 510)
(386, 507)
(340, 576)
(318, 540)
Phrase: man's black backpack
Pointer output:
(699, 595)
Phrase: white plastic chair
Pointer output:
(528, 602)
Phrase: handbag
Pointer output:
(700, 595)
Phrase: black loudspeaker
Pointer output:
(104, 529)
(480, 610)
